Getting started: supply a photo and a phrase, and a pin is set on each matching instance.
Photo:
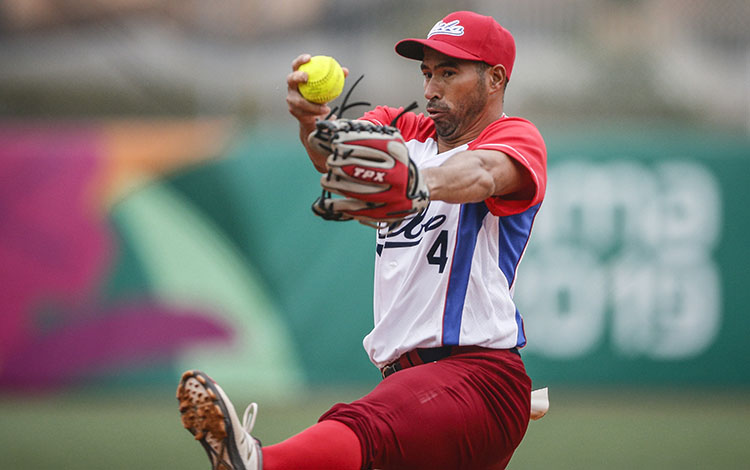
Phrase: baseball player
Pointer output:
(454, 193)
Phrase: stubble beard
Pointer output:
(448, 125)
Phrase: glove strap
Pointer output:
(411, 107)
(345, 105)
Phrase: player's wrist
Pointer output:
(306, 126)
(317, 158)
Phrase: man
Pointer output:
(455, 393)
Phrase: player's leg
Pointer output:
(210, 416)
(463, 412)
(326, 445)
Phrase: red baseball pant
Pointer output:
(467, 411)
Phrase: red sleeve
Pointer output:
(412, 126)
(521, 141)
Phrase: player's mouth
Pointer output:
(435, 110)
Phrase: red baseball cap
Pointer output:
(465, 35)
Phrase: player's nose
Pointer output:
(432, 90)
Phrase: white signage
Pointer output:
(622, 255)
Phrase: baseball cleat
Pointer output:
(209, 416)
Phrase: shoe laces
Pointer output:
(248, 417)
(248, 443)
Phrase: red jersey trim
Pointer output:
(500, 206)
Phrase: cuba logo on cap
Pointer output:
(451, 29)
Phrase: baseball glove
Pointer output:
(370, 168)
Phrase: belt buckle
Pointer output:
(389, 369)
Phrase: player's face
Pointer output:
(456, 93)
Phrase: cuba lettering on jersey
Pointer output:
(447, 276)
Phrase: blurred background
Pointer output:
(155, 217)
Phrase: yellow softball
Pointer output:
(325, 79)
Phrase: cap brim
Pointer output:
(414, 49)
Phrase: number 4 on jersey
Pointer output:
(438, 253)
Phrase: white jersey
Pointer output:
(447, 276)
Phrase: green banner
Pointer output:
(637, 268)
(635, 271)
(204, 253)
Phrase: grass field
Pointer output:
(623, 429)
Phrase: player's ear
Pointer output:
(498, 77)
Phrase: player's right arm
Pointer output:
(306, 112)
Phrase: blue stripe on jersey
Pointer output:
(514, 235)
(521, 337)
(469, 224)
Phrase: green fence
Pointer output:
(636, 271)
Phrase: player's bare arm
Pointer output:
(305, 111)
(475, 175)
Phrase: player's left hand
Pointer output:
(369, 166)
